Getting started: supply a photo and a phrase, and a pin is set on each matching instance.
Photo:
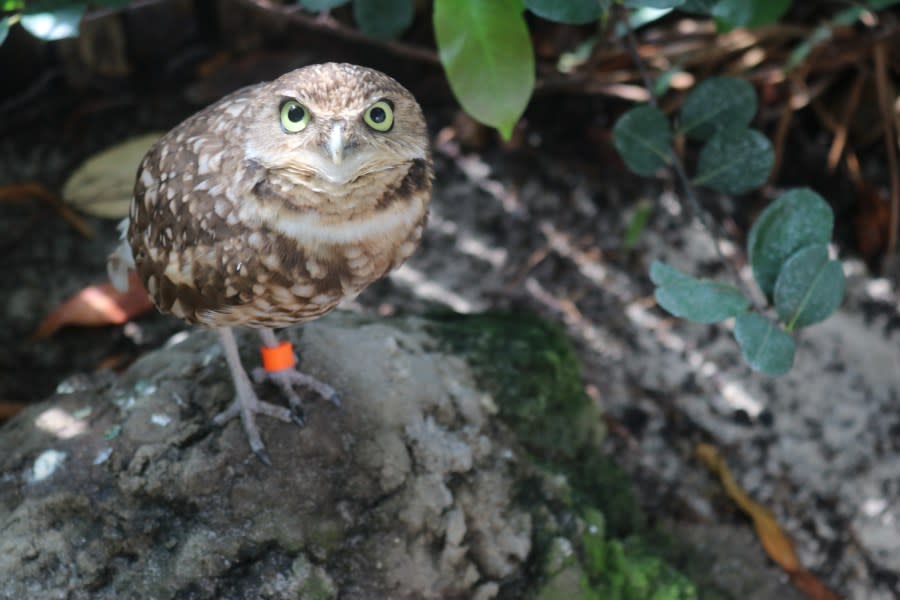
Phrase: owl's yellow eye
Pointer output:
(380, 116)
(294, 116)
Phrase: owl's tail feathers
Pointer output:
(120, 261)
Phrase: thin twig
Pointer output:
(334, 27)
(890, 141)
(780, 138)
(704, 217)
(840, 136)
(38, 191)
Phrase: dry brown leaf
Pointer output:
(10, 409)
(776, 543)
(97, 305)
(102, 186)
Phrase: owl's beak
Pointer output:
(336, 143)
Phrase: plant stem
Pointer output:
(705, 218)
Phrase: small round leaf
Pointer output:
(698, 300)
(809, 288)
(796, 219)
(766, 347)
(643, 138)
(735, 160)
(717, 103)
(573, 12)
(383, 19)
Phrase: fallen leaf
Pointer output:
(10, 409)
(776, 543)
(102, 186)
(97, 305)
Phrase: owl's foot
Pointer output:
(246, 404)
(278, 367)
(286, 379)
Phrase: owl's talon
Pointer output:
(263, 456)
(287, 378)
(336, 399)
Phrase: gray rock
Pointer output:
(123, 489)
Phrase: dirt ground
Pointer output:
(541, 225)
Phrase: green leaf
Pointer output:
(749, 13)
(717, 103)
(383, 19)
(662, 275)
(699, 7)
(766, 347)
(485, 48)
(4, 29)
(796, 219)
(320, 5)
(735, 160)
(54, 25)
(699, 300)
(659, 4)
(643, 138)
(573, 12)
(637, 223)
(809, 288)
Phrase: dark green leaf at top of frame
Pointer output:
(717, 103)
(766, 347)
(383, 19)
(809, 288)
(320, 5)
(735, 160)
(656, 4)
(730, 14)
(796, 219)
(644, 139)
(698, 7)
(573, 12)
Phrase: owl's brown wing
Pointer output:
(184, 231)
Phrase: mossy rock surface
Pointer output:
(593, 543)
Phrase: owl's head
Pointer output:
(332, 123)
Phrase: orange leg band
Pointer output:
(277, 358)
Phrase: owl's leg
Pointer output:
(287, 378)
(246, 404)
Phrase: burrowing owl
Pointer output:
(274, 204)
